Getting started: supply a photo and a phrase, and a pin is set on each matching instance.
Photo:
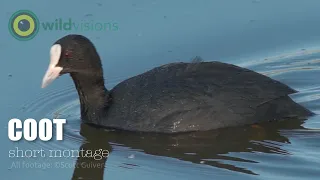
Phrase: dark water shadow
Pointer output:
(208, 148)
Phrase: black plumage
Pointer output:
(176, 97)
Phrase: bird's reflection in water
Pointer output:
(211, 147)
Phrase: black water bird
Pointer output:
(176, 97)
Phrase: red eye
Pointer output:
(67, 54)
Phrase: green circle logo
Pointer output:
(23, 25)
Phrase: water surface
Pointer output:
(277, 38)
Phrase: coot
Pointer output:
(172, 98)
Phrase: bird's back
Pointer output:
(191, 96)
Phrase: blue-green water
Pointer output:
(279, 38)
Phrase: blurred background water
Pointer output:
(279, 38)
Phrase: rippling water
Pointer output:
(282, 45)
(288, 150)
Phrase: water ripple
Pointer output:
(299, 69)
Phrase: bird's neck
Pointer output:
(94, 97)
